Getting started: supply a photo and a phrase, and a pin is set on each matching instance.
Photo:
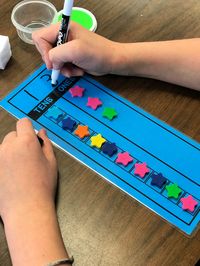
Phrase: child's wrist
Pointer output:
(35, 228)
(29, 207)
(119, 59)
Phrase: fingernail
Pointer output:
(44, 130)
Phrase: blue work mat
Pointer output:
(146, 138)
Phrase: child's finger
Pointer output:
(24, 127)
(47, 146)
(9, 137)
(66, 53)
(49, 34)
(71, 71)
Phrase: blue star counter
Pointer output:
(169, 154)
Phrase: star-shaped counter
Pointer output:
(55, 113)
(97, 141)
(109, 148)
(158, 180)
(94, 103)
(141, 169)
(189, 203)
(82, 131)
(173, 191)
(68, 123)
(124, 158)
(109, 113)
(77, 91)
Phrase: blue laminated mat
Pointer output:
(167, 152)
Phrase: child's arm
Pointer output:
(176, 61)
(28, 178)
(172, 61)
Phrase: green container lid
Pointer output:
(82, 16)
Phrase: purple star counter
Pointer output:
(109, 148)
(68, 123)
(158, 180)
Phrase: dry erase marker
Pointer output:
(63, 33)
(41, 141)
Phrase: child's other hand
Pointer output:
(28, 172)
(85, 51)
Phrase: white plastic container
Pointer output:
(5, 51)
(30, 15)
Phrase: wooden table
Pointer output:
(100, 224)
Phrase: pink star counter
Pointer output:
(189, 203)
(124, 158)
(94, 103)
(76, 91)
(141, 169)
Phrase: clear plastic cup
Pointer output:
(30, 15)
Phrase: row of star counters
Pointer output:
(124, 158)
(141, 169)
(93, 102)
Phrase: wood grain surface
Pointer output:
(99, 223)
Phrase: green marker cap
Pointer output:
(82, 16)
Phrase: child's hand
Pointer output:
(85, 51)
(28, 172)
